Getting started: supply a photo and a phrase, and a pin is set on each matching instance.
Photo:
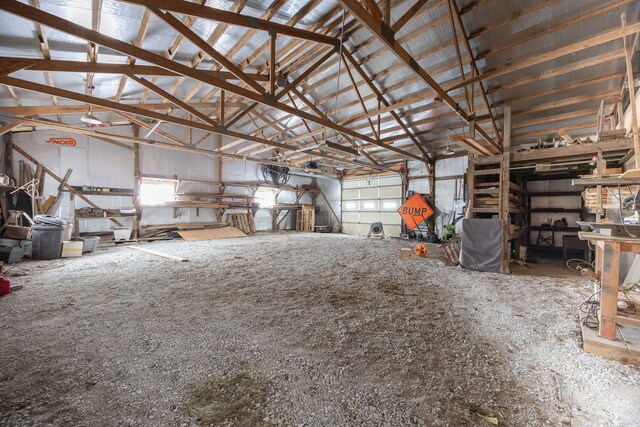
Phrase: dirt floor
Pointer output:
(302, 330)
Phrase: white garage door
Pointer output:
(369, 200)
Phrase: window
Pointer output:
(369, 205)
(389, 205)
(350, 205)
(156, 192)
(266, 198)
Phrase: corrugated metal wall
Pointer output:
(96, 163)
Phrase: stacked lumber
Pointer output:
(493, 202)
(609, 196)
(243, 222)
(610, 135)
(170, 231)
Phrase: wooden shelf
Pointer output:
(563, 229)
(120, 192)
(554, 193)
(106, 217)
(481, 172)
(607, 182)
(556, 210)
(216, 196)
(104, 193)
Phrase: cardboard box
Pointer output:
(17, 232)
(71, 249)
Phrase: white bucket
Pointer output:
(122, 233)
(68, 231)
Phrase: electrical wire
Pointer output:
(620, 205)
(591, 307)
(579, 263)
(31, 188)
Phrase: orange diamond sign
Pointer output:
(414, 211)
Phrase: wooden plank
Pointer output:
(159, 254)
(192, 9)
(573, 151)
(609, 290)
(202, 44)
(397, 26)
(213, 234)
(618, 349)
(549, 55)
(628, 51)
(63, 184)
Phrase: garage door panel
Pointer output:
(369, 193)
(389, 218)
(351, 194)
(369, 217)
(390, 180)
(369, 205)
(390, 205)
(389, 192)
(351, 217)
(350, 183)
(369, 200)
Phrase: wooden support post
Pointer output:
(601, 167)
(432, 194)
(329, 206)
(628, 53)
(222, 120)
(8, 155)
(505, 180)
(609, 290)
(471, 180)
(272, 63)
(137, 184)
(63, 184)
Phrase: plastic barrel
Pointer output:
(47, 241)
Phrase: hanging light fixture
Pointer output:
(89, 118)
(448, 151)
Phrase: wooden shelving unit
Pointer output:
(489, 185)
(563, 193)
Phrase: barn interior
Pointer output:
(320, 212)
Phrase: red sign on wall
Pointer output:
(68, 142)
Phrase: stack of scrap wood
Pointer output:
(243, 222)
(169, 231)
(610, 135)
(609, 196)
(491, 201)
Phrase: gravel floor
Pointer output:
(298, 329)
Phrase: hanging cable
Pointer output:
(335, 107)
(277, 175)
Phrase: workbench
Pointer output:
(618, 334)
